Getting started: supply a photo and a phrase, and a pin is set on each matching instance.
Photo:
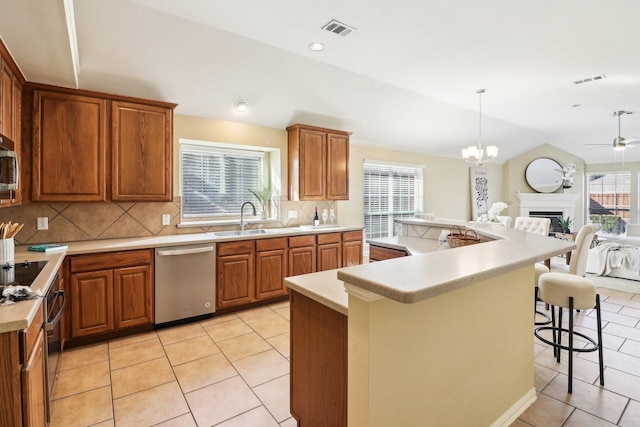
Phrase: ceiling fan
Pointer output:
(620, 143)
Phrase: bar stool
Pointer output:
(573, 292)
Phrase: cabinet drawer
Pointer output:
(377, 253)
(323, 239)
(236, 248)
(271, 244)
(299, 241)
(110, 260)
(351, 236)
(28, 336)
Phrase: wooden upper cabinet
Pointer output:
(141, 153)
(337, 166)
(318, 163)
(6, 101)
(69, 140)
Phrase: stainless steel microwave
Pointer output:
(9, 173)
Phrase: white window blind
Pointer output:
(391, 191)
(216, 181)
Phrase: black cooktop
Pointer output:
(23, 273)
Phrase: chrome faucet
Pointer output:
(242, 214)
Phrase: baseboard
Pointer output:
(516, 410)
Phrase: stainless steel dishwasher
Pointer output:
(185, 282)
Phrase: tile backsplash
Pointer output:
(72, 222)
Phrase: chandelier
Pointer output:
(475, 153)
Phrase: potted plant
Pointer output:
(565, 224)
(264, 198)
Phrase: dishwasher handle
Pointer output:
(173, 252)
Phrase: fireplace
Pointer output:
(554, 216)
(551, 205)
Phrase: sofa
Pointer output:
(617, 257)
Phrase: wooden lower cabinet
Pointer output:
(111, 291)
(329, 251)
(235, 273)
(352, 248)
(23, 385)
(91, 303)
(34, 386)
(377, 253)
(302, 255)
(134, 295)
(248, 271)
(318, 363)
(271, 267)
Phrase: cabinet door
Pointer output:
(351, 253)
(69, 140)
(133, 296)
(313, 155)
(141, 153)
(91, 303)
(17, 133)
(271, 268)
(329, 256)
(6, 101)
(302, 260)
(236, 283)
(337, 167)
(34, 386)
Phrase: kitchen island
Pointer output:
(441, 338)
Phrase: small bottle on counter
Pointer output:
(442, 239)
(316, 220)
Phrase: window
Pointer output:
(216, 180)
(391, 191)
(609, 201)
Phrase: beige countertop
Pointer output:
(416, 278)
(19, 315)
(323, 287)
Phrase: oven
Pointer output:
(55, 301)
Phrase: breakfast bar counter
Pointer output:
(442, 337)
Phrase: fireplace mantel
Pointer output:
(565, 202)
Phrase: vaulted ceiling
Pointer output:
(405, 78)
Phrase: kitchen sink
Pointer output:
(243, 233)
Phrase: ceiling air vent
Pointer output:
(590, 79)
(338, 28)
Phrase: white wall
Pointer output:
(446, 183)
(514, 178)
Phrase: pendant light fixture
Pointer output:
(475, 153)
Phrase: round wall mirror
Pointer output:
(544, 175)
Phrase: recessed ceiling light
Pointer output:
(241, 106)
(316, 47)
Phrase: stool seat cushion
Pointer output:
(556, 288)
(540, 270)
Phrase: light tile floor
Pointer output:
(233, 370)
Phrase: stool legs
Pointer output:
(535, 310)
(600, 351)
(556, 343)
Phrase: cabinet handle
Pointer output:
(173, 252)
(49, 326)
